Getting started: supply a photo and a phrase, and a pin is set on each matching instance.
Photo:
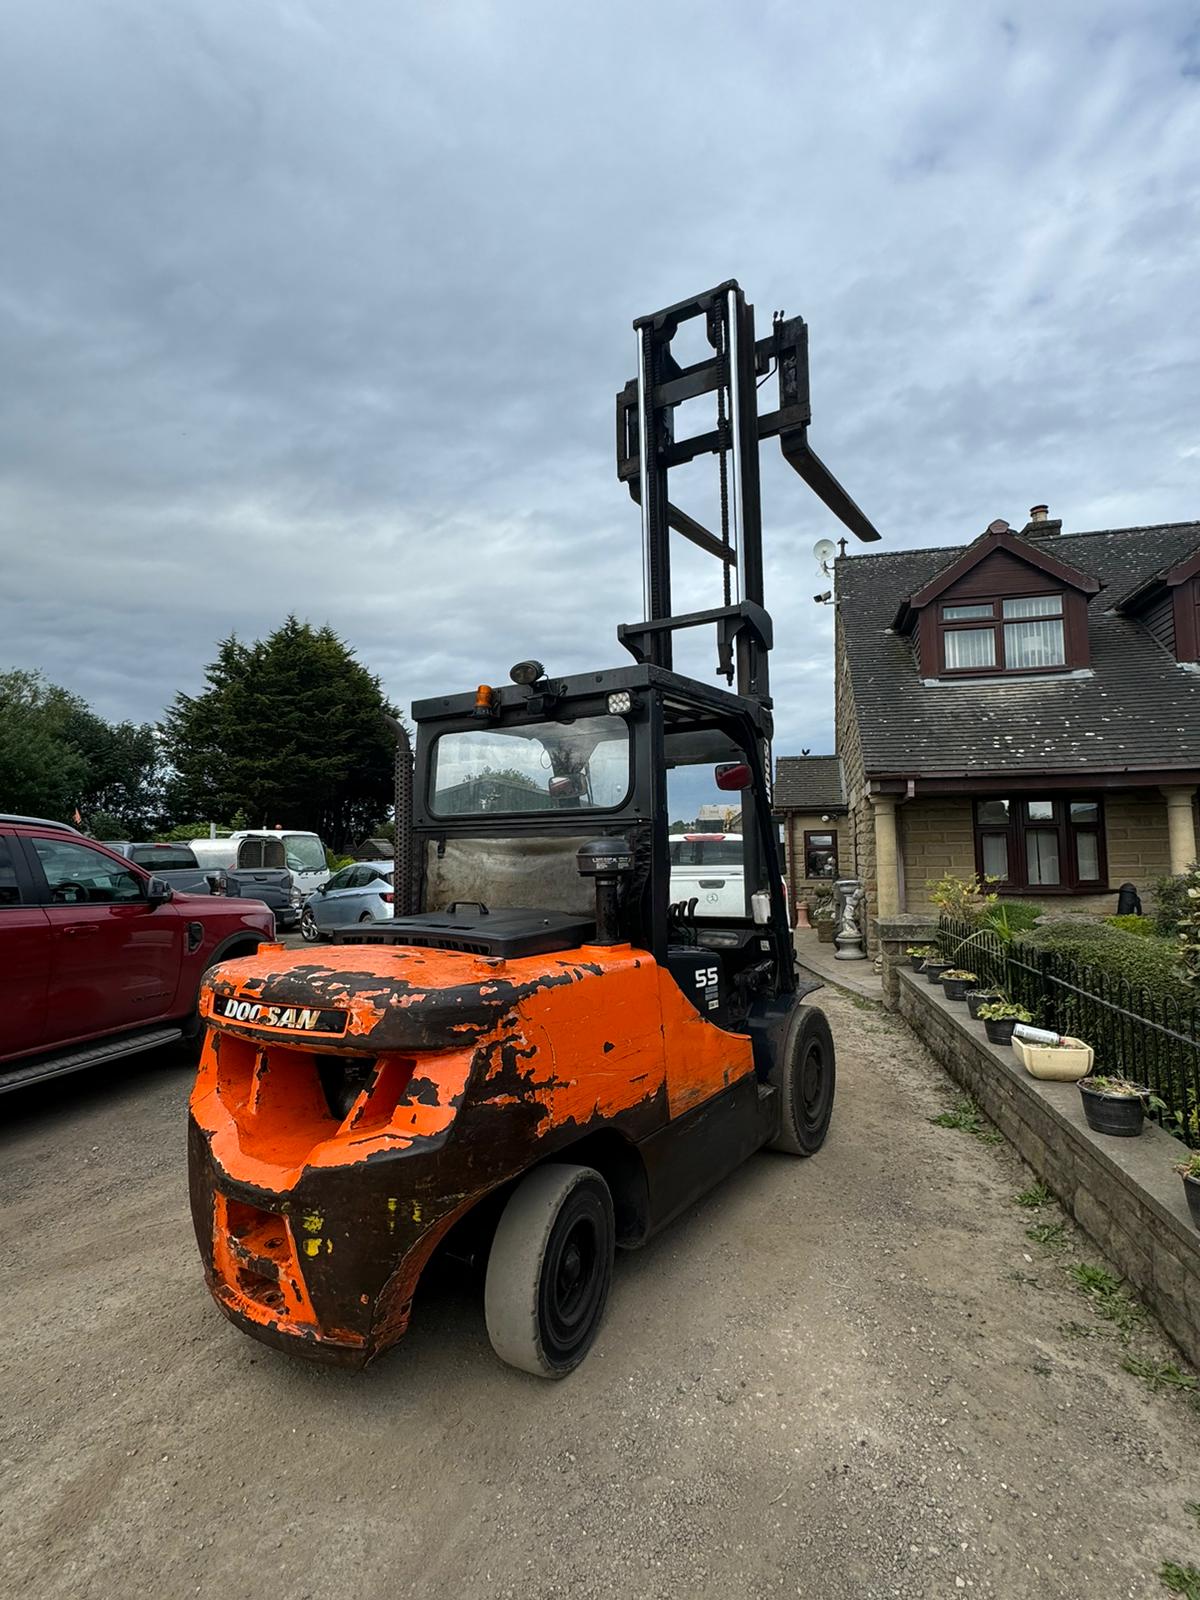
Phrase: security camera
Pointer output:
(823, 599)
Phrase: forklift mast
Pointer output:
(648, 450)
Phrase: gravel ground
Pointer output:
(849, 1377)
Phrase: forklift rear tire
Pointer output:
(805, 1076)
(549, 1269)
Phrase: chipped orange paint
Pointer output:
(572, 1039)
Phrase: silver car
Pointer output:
(358, 893)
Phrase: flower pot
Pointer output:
(956, 988)
(916, 962)
(825, 932)
(1058, 1063)
(1119, 1115)
(999, 1029)
(933, 970)
(1191, 1188)
(980, 997)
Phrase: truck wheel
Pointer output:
(805, 1076)
(549, 1269)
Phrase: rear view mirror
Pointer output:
(733, 775)
(158, 892)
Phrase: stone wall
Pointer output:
(895, 934)
(1122, 1192)
(1135, 826)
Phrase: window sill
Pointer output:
(1039, 891)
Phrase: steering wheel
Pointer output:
(68, 883)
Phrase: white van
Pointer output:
(302, 854)
(709, 868)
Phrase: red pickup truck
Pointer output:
(98, 958)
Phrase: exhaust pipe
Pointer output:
(403, 874)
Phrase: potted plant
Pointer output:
(823, 916)
(918, 954)
(1000, 1017)
(934, 966)
(956, 981)
(1113, 1105)
(1189, 1171)
(981, 997)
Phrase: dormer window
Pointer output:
(1020, 633)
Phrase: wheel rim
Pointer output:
(308, 924)
(574, 1280)
(815, 1085)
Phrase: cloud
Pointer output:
(322, 307)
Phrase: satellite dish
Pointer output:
(824, 551)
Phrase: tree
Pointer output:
(57, 756)
(290, 730)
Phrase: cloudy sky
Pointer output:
(320, 305)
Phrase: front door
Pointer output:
(24, 957)
(116, 958)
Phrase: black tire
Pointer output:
(549, 1270)
(806, 1077)
(308, 925)
(366, 917)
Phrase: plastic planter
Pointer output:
(1119, 1115)
(933, 969)
(956, 988)
(916, 962)
(1191, 1188)
(980, 997)
(1057, 1063)
(999, 1029)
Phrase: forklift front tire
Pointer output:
(549, 1270)
(805, 1076)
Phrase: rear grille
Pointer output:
(425, 941)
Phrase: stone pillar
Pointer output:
(887, 857)
(1181, 827)
(895, 935)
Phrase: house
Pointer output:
(810, 806)
(372, 849)
(1027, 707)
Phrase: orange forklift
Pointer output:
(543, 1055)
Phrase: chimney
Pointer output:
(1041, 525)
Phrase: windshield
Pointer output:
(163, 857)
(305, 852)
(543, 766)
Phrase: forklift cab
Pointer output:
(517, 789)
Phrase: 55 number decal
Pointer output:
(706, 978)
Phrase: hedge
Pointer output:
(1150, 962)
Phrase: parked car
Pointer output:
(709, 868)
(358, 893)
(177, 864)
(100, 958)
